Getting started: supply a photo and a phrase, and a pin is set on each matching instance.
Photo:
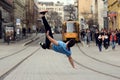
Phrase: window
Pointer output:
(70, 27)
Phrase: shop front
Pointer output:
(113, 20)
(9, 33)
(5, 14)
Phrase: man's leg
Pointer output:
(47, 28)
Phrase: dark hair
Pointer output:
(71, 43)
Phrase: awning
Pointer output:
(112, 14)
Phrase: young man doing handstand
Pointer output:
(58, 46)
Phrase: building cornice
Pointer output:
(6, 6)
(112, 4)
(20, 4)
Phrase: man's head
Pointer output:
(71, 43)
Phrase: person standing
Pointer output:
(96, 37)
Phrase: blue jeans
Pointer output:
(113, 43)
(119, 41)
(100, 47)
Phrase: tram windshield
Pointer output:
(70, 27)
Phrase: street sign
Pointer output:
(18, 22)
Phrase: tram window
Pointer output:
(70, 27)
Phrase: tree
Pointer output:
(54, 18)
(70, 9)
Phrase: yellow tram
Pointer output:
(70, 30)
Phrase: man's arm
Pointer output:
(51, 39)
(71, 61)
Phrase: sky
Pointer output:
(64, 1)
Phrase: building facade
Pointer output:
(84, 11)
(100, 12)
(30, 6)
(114, 14)
(84, 8)
(51, 6)
(19, 13)
(6, 12)
(24, 11)
(35, 22)
(94, 12)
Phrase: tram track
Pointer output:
(27, 46)
(103, 73)
(96, 58)
(110, 74)
(77, 61)
(20, 56)
(17, 64)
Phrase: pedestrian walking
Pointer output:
(82, 34)
(96, 37)
(109, 33)
(105, 40)
(119, 37)
(88, 35)
(58, 46)
(113, 39)
(100, 42)
(8, 37)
